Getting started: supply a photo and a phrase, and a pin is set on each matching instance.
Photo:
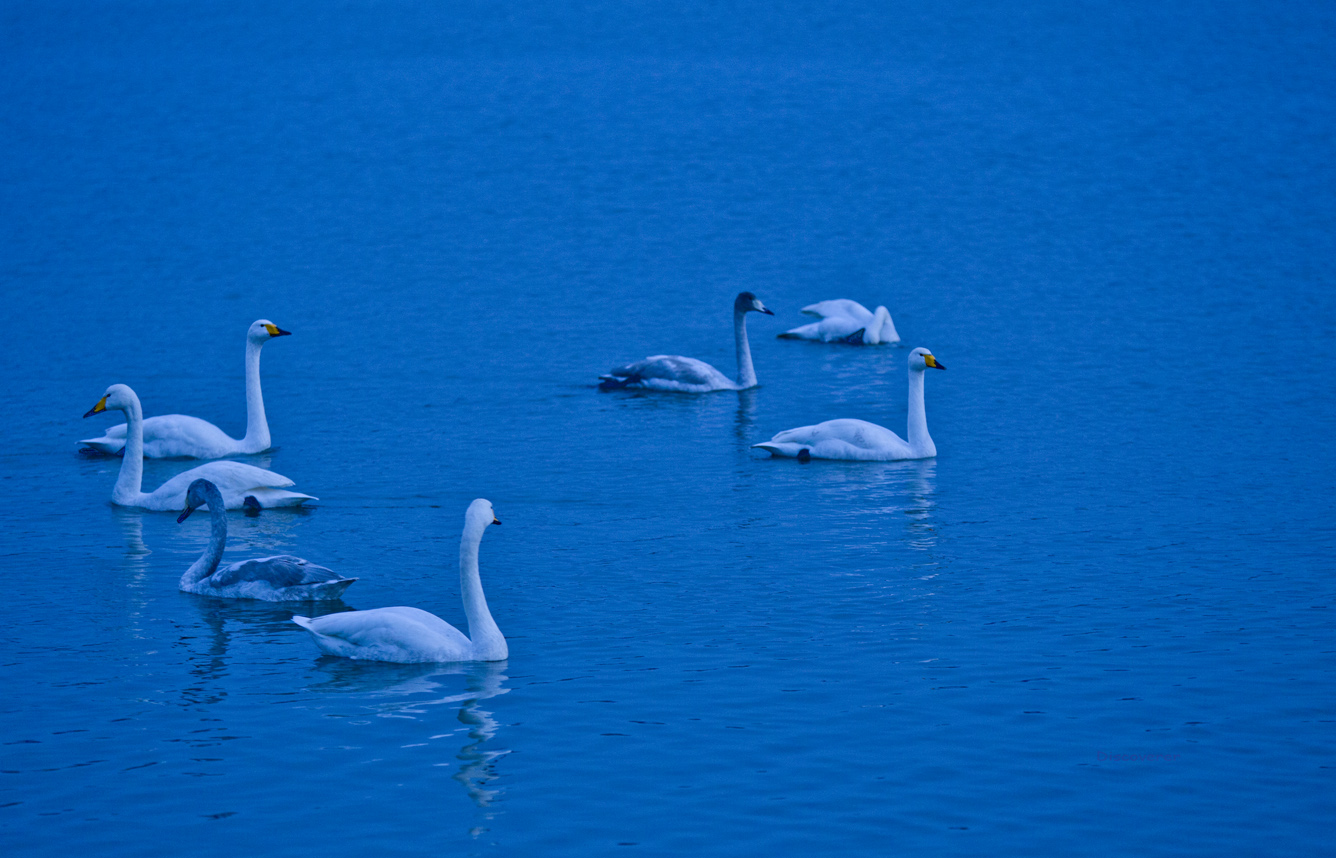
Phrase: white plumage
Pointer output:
(181, 436)
(679, 374)
(859, 439)
(409, 635)
(846, 321)
(235, 480)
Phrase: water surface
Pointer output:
(1098, 623)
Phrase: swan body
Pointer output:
(860, 440)
(687, 375)
(845, 321)
(181, 436)
(282, 578)
(408, 635)
(235, 481)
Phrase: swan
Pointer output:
(240, 484)
(688, 375)
(282, 578)
(408, 635)
(177, 435)
(845, 321)
(860, 440)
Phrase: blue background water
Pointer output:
(1113, 222)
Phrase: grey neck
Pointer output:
(207, 564)
(257, 427)
(488, 642)
(746, 373)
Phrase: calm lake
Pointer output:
(1100, 622)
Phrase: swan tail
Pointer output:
(323, 590)
(612, 382)
(271, 498)
(781, 449)
(104, 446)
(305, 622)
(802, 332)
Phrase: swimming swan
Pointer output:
(845, 321)
(282, 578)
(235, 480)
(688, 375)
(858, 439)
(177, 435)
(408, 635)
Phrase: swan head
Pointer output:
(263, 330)
(920, 359)
(746, 302)
(200, 492)
(480, 515)
(118, 397)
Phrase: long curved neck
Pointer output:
(207, 564)
(130, 482)
(886, 328)
(488, 642)
(746, 373)
(919, 439)
(257, 427)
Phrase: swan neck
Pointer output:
(207, 564)
(919, 439)
(257, 427)
(130, 481)
(488, 642)
(746, 372)
(886, 328)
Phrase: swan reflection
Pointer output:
(745, 423)
(224, 618)
(904, 490)
(408, 691)
(921, 490)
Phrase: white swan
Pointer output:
(845, 321)
(240, 484)
(409, 635)
(858, 439)
(177, 435)
(688, 375)
(282, 578)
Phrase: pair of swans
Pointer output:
(845, 321)
(178, 435)
(281, 578)
(859, 439)
(410, 635)
(239, 484)
(403, 635)
(687, 375)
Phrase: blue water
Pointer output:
(1099, 623)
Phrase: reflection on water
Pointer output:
(131, 523)
(744, 425)
(210, 668)
(407, 690)
(921, 488)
